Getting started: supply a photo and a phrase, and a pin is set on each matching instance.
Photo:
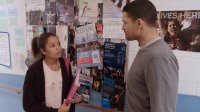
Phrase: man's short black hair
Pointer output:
(143, 9)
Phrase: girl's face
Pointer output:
(172, 28)
(52, 49)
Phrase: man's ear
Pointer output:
(139, 23)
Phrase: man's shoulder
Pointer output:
(160, 48)
(157, 50)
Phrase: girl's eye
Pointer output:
(52, 46)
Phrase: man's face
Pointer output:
(129, 27)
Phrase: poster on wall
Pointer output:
(181, 29)
(62, 33)
(88, 8)
(5, 55)
(34, 17)
(89, 59)
(88, 11)
(13, 36)
(114, 56)
(49, 15)
(65, 11)
(8, 17)
(34, 1)
(114, 69)
(33, 5)
(113, 8)
(112, 28)
(88, 53)
(84, 84)
(97, 83)
(85, 34)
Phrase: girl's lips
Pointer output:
(58, 53)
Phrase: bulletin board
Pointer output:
(99, 50)
(12, 36)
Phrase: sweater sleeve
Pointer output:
(161, 77)
(71, 78)
(29, 95)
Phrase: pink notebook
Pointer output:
(74, 85)
(73, 88)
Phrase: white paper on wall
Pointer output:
(35, 5)
(112, 28)
(13, 21)
(62, 33)
(5, 55)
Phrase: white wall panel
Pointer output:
(187, 88)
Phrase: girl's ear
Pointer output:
(43, 51)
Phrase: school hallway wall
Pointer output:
(10, 101)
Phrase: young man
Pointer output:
(152, 82)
